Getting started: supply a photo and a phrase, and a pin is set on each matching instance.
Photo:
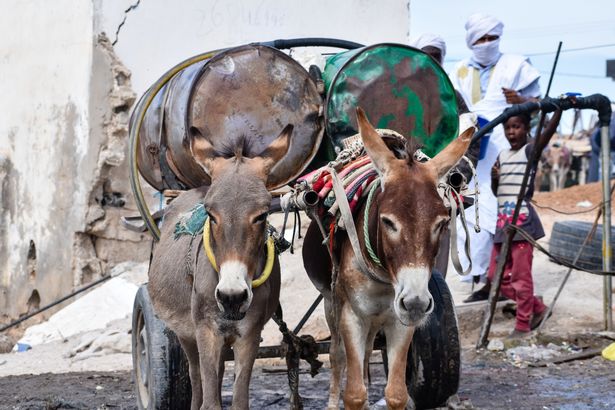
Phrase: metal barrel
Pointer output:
(244, 95)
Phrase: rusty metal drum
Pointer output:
(251, 93)
(241, 95)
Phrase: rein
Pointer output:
(212, 259)
(353, 237)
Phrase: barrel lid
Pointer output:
(399, 87)
(247, 95)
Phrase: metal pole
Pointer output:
(49, 306)
(607, 251)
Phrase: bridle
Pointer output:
(269, 244)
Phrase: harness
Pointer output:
(196, 221)
(212, 259)
(351, 178)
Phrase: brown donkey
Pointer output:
(405, 221)
(210, 301)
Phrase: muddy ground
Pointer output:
(488, 382)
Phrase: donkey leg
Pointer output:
(399, 338)
(192, 353)
(553, 181)
(354, 334)
(564, 177)
(369, 347)
(221, 372)
(245, 350)
(210, 351)
(337, 357)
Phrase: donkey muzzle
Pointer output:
(233, 294)
(232, 304)
(414, 309)
(413, 302)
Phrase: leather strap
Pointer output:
(452, 197)
(351, 230)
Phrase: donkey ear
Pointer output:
(276, 150)
(204, 153)
(374, 145)
(452, 153)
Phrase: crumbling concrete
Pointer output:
(103, 242)
(64, 189)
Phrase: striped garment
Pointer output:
(512, 167)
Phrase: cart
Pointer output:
(319, 104)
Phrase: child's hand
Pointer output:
(495, 172)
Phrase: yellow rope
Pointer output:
(207, 244)
(268, 265)
(212, 259)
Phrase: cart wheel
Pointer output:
(160, 368)
(432, 372)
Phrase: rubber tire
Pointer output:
(567, 238)
(434, 360)
(168, 379)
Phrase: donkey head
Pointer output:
(411, 216)
(237, 203)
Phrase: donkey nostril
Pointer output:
(408, 304)
(429, 306)
(232, 300)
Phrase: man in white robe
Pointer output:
(431, 44)
(489, 82)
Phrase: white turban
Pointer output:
(480, 24)
(432, 40)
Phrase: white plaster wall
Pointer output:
(45, 58)
(53, 109)
(158, 34)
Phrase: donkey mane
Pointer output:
(239, 148)
(411, 145)
(402, 148)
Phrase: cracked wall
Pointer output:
(63, 166)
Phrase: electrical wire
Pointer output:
(564, 212)
(571, 50)
(598, 77)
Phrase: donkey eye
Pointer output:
(441, 225)
(388, 223)
(261, 218)
(211, 218)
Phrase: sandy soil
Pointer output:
(581, 384)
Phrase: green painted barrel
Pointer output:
(399, 87)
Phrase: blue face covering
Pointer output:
(486, 54)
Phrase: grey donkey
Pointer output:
(210, 302)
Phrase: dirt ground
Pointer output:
(489, 380)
